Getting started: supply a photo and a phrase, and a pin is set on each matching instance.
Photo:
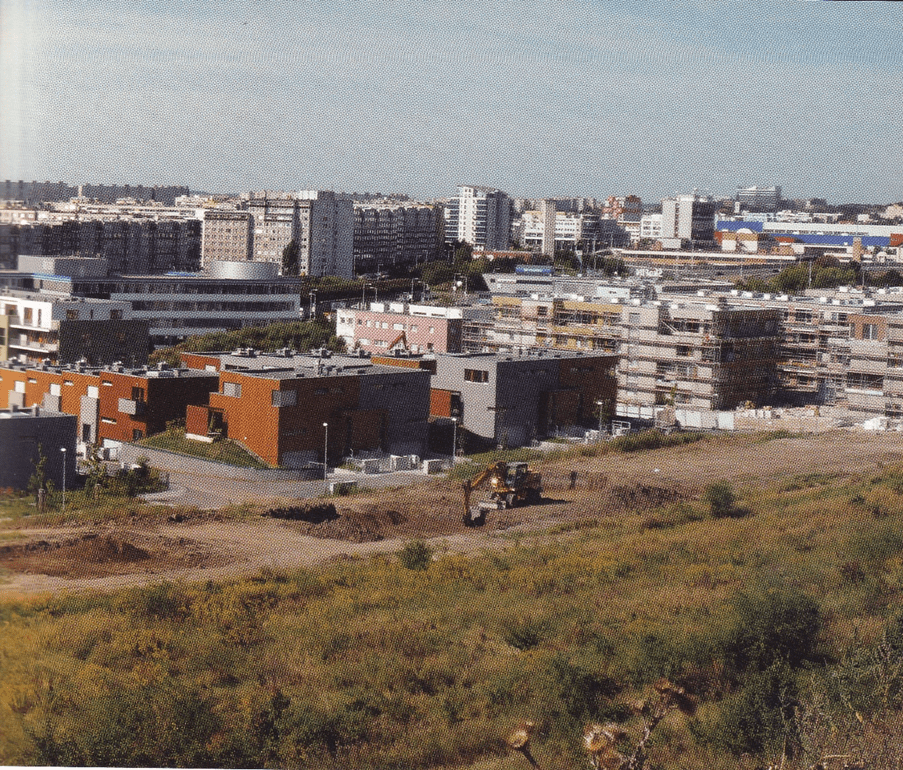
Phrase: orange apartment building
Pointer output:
(276, 406)
(113, 405)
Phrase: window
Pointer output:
(137, 434)
(55, 389)
(71, 315)
(869, 331)
(106, 383)
(232, 389)
(284, 397)
(32, 380)
(19, 386)
(116, 315)
(476, 375)
(108, 420)
(137, 394)
(432, 330)
(633, 318)
(93, 391)
(684, 350)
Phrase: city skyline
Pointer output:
(558, 99)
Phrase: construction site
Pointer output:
(701, 345)
(146, 542)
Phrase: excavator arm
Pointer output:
(497, 470)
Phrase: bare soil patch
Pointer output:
(95, 554)
(195, 545)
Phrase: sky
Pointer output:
(541, 99)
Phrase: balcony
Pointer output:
(131, 407)
(35, 347)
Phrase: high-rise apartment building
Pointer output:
(547, 213)
(689, 217)
(627, 208)
(319, 222)
(395, 234)
(227, 236)
(130, 245)
(480, 216)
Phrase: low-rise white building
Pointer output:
(43, 328)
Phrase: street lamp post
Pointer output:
(313, 304)
(600, 405)
(325, 447)
(63, 450)
(454, 439)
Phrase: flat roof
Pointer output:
(142, 372)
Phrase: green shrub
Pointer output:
(720, 498)
(775, 626)
(152, 726)
(162, 601)
(526, 633)
(416, 555)
(759, 717)
(576, 693)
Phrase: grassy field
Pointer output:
(780, 617)
(224, 451)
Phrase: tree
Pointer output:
(290, 258)
(97, 473)
(463, 252)
(39, 479)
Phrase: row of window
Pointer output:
(399, 327)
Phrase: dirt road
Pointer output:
(208, 546)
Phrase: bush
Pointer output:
(152, 726)
(416, 555)
(576, 693)
(525, 634)
(773, 627)
(760, 716)
(720, 498)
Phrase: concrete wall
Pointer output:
(506, 406)
(525, 408)
(404, 397)
(20, 437)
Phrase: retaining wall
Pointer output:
(173, 462)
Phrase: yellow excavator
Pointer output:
(510, 484)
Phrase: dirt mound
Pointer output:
(93, 555)
(314, 512)
(365, 526)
